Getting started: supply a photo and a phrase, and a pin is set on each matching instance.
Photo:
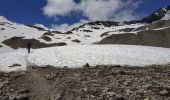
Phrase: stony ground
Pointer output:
(87, 83)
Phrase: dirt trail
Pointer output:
(40, 87)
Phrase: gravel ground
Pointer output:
(87, 83)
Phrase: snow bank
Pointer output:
(78, 55)
(8, 59)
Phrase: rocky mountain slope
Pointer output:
(155, 34)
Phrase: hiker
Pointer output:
(29, 45)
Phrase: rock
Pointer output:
(119, 97)
(105, 89)
(164, 93)
(85, 89)
(50, 77)
(1, 85)
(21, 97)
(146, 86)
(142, 92)
(65, 67)
(77, 75)
(86, 65)
(167, 87)
(92, 96)
(56, 97)
(23, 91)
(11, 97)
(15, 65)
(129, 92)
(15, 76)
(111, 94)
(76, 40)
(146, 99)
(5, 82)
(5, 98)
(11, 90)
(127, 82)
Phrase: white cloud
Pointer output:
(99, 9)
(118, 10)
(125, 15)
(58, 7)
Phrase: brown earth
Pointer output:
(87, 83)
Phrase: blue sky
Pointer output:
(36, 11)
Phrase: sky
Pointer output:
(66, 14)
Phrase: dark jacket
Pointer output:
(29, 45)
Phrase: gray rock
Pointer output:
(111, 94)
(105, 89)
(126, 83)
(86, 65)
(167, 87)
(25, 90)
(21, 97)
(119, 97)
(146, 86)
(12, 97)
(56, 97)
(5, 82)
(11, 90)
(65, 67)
(85, 89)
(129, 92)
(146, 99)
(50, 77)
(164, 93)
(1, 85)
(142, 92)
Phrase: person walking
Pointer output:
(29, 45)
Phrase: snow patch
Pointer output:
(42, 26)
(78, 55)
(167, 16)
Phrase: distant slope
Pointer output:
(156, 34)
(14, 36)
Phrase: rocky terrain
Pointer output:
(87, 83)
(158, 38)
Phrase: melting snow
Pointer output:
(78, 55)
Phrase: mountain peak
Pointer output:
(162, 13)
(3, 19)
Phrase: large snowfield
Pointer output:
(77, 55)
